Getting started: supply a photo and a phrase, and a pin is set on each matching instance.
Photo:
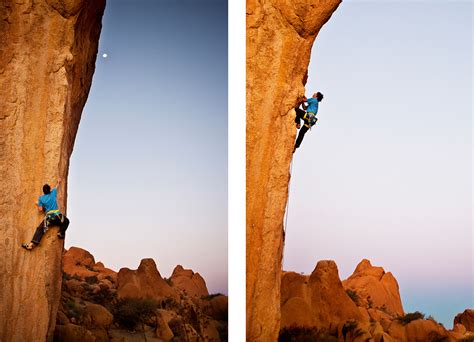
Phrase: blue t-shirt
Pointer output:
(313, 105)
(49, 201)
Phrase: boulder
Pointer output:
(145, 282)
(163, 331)
(100, 317)
(375, 288)
(466, 318)
(189, 282)
(73, 333)
(318, 301)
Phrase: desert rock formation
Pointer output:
(91, 295)
(145, 282)
(48, 50)
(280, 35)
(366, 306)
(188, 281)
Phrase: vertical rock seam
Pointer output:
(48, 50)
(280, 34)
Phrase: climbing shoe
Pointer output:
(27, 246)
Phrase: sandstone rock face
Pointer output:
(47, 58)
(188, 281)
(280, 34)
(145, 282)
(375, 288)
(316, 301)
(466, 318)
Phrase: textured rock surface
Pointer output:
(47, 58)
(318, 300)
(375, 288)
(89, 301)
(466, 318)
(366, 308)
(145, 282)
(188, 281)
(280, 34)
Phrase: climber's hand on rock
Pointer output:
(298, 126)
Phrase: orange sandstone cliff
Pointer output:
(48, 50)
(280, 35)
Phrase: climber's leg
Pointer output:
(38, 234)
(301, 134)
(62, 227)
(299, 115)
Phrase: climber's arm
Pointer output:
(57, 183)
(39, 206)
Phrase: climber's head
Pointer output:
(318, 96)
(46, 189)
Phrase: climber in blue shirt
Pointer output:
(308, 116)
(48, 204)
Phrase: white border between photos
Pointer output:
(236, 171)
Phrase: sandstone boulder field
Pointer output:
(279, 36)
(99, 304)
(48, 50)
(364, 307)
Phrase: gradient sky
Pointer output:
(386, 172)
(148, 175)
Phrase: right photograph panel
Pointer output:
(359, 171)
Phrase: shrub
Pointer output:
(304, 334)
(353, 295)
(128, 312)
(103, 297)
(66, 276)
(73, 310)
(91, 280)
(409, 317)
(211, 296)
(169, 281)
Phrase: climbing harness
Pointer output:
(310, 118)
(51, 215)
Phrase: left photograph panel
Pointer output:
(113, 169)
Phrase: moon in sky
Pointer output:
(104, 55)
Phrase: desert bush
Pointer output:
(353, 295)
(211, 296)
(66, 276)
(304, 334)
(91, 280)
(103, 297)
(169, 281)
(409, 317)
(467, 339)
(73, 310)
(128, 312)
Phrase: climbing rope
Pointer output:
(286, 214)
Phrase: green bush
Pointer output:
(409, 317)
(128, 312)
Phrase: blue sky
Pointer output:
(148, 175)
(386, 174)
